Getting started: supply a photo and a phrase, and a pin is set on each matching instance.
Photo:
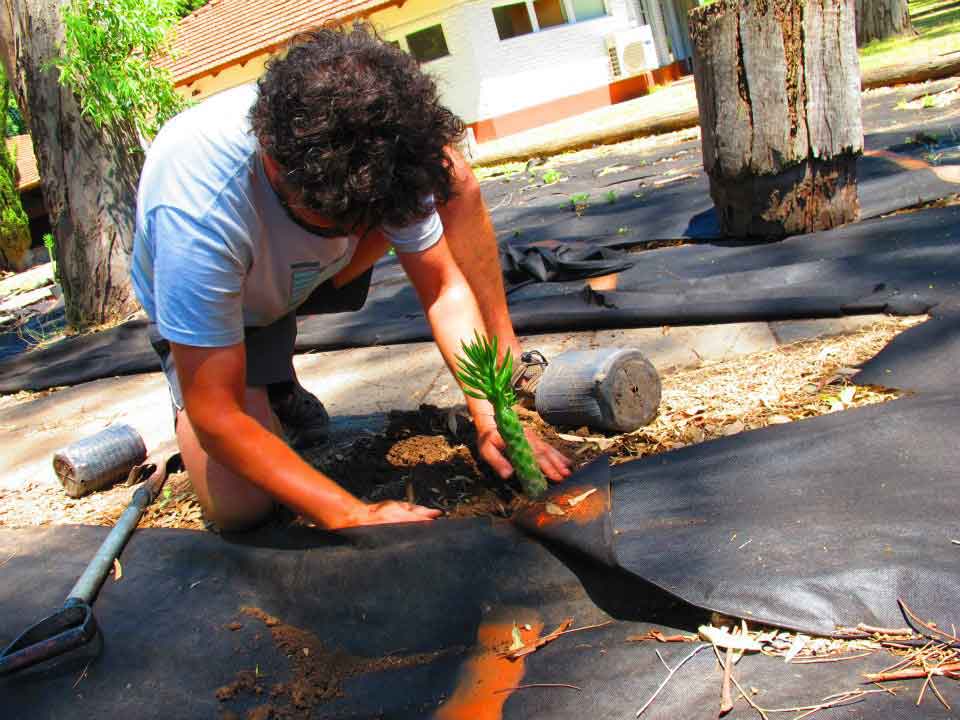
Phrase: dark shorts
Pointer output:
(270, 348)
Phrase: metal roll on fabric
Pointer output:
(99, 461)
(613, 389)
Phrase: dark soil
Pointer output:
(430, 457)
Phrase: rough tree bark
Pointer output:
(89, 177)
(778, 85)
(879, 19)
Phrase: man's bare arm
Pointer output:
(453, 314)
(212, 381)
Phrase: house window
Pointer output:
(512, 20)
(588, 9)
(428, 44)
(550, 13)
(536, 15)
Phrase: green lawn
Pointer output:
(938, 25)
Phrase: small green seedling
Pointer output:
(550, 177)
(483, 378)
(51, 245)
(928, 102)
(610, 197)
(578, 202)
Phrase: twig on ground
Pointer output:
(839, 700)
(951, 670)
(663, 661)
(835, 658)
(538, 643)
(885, 631)
(4, 562)
(666, 680)
(932, 632)
(937, 693)
(540, 685)
(749, 699)
(660, 637)
(586, 627)
(726, 701)
(83, 673)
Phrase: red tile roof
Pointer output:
(224, 32)
(22, 145)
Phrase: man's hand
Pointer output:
(554, 464)
(388, 512)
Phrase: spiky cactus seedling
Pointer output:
(486, 380)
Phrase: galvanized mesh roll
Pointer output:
(100, 460)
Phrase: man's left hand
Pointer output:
(554, 464)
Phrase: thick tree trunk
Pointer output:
(778, 85)
(89, 177)
(879, 19)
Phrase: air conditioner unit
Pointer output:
(631, 51)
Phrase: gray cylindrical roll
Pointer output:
(100, 460)
(608, 389)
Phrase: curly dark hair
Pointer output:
(357, 127)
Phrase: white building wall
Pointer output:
(484, 77)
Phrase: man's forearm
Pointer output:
(453, 318)
(244, 446)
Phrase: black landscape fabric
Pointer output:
(906, 264)
(809, 525)
(399, 622)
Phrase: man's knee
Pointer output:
(248, 516)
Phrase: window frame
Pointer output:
(535, 23)
(406, 43)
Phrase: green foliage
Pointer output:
(486, 379)
(51, 245)
(610, 196)
(185, 7)
(14, 224)
(106, 60)
(15, 125)
(552, 176)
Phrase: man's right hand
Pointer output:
(388, 512)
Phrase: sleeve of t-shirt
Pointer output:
(198, 282)
(417, 236)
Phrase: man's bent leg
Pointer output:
(230, 502)
(473, 243)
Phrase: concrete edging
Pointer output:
(689, 117)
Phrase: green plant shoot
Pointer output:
(483, 378)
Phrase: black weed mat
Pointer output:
(812, 525)
(658, 197)
(399, 622)
(906, 264)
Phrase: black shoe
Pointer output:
(526, 377)
(304, 418)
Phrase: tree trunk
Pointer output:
(879, 19)
(778, 85)
(89, 177)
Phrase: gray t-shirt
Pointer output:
(214, 250)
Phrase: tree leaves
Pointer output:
(106, 59)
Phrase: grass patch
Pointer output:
(937, 23)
